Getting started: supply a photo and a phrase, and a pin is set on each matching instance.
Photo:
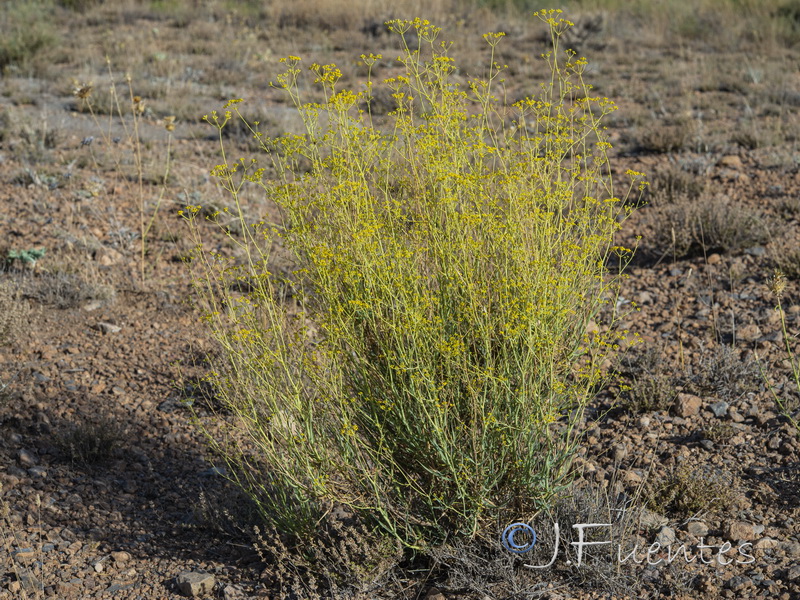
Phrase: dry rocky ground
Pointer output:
(105, 485)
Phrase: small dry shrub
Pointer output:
(687, 491)
(715, 224)
(663, 139)
(89, 443)
(673, 184)
(344, 560)
(787, 259)
(68, 279)
(650, 387)
(718, 432)
(724, 373)
(67, 290)
(484, 568)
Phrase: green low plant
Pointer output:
(24, 257)
(432, 368)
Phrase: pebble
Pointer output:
(666, 536)
(731, 161)
(107, 328)
(194, 584)
(739, 530)
(737, 582)
(687, 405)
(749, 333)
(756, 251)
(37, 472)
(765, 544)
(27, 458)
(697, 528)
(720, 409)
(24, 555)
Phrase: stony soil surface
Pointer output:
(106, 485)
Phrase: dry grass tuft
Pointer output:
(715, 224)
(90, 443)
(651, 387)
(686, 492)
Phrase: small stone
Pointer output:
(37, 472)
(633, 478)
(739, 530)
(434, 594)
(29, 581)
(644, 421)
(98, 567)
(24, 555)
(230, 592)
(756, 251)
(790, 548)
(107, 328)
(697, 529)
(107, 256)
(620, 452)
(793, 574)
(720, 409)
(687, 405)
(195, 584)
(27, 458)
(120, 557)
(737, 582)
(749, 333)
(652, 520)
(735, 415)
(666, 536)
(65, 590)
(731, 161)
(765, 544)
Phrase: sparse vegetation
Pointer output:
(89, 443)
(686, 493)
(26, 31)
(650, 385)
(707, 225)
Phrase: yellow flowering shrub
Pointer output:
(433, 372)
